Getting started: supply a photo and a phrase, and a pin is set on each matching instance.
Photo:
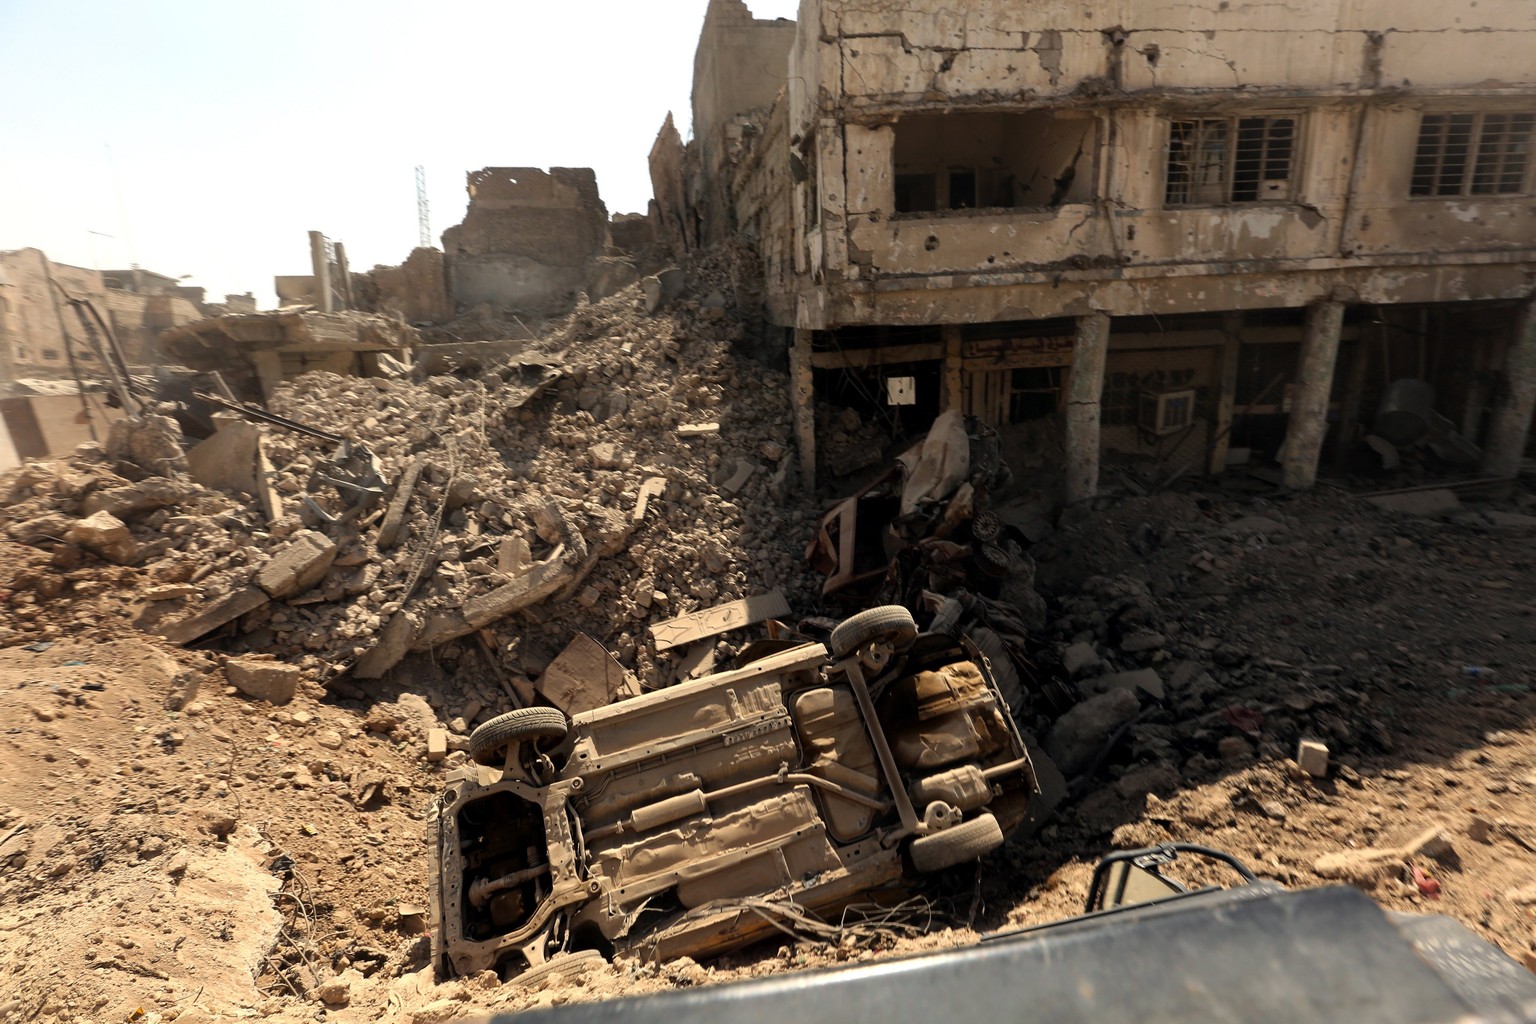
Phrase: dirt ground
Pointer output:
(230, 859)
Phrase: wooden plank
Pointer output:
(707, 622)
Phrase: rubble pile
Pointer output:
(624, 469)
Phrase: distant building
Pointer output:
(35, 314)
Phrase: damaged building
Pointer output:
(1189, 235)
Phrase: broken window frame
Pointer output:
(1227, 173)
(1461, 154)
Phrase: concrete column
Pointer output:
(322, 271)
(1090, 349)
(802, 400)
(1222, 438)
(1510, 429)
(1354, 389)
(1477, 391)
(1309, 408)
(954, 370)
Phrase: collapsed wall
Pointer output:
(528, 239)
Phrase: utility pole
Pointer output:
(423, 224)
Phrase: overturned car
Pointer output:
(807, 778)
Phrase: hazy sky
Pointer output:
(206, 137)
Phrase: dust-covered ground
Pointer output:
(233, 859)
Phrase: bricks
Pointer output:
(1313, 758)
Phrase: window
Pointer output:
(977, 160)
(1472, 154)
(51, 354)
(1230, 160)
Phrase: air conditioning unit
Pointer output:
(1167, 412)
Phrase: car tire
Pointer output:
(488, 743)
(964, 842)
(889, 622)
(563, 966)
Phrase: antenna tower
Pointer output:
(423, 223)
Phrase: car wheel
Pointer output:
(562, 965)
(489, 742)
(964, 842)
(889, 622)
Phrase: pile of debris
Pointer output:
(623, 472)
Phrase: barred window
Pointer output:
(1230, 160)
(1472, 154)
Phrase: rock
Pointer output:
(1080, 659)
(1525, 896)
(1233, 749)
(335, 991)
(184, 689)
(1312, 756)
(1148, 778)
(1434, 841)
(1146, 680)
(170, 592)
(394, 643)
(744, 470)
(698, 430)
(1480, 830)
(330, 739)
(1079, 736)
(271, 681)
(1142, 641)
(437, 744)
(299, 566)
(106, 535)
(607, 456)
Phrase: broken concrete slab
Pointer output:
(513, 556)
(1436, 502)
(1079, 736)
(221, 612)
(234, 460)
(651, 488)
(395, 641)
(685, 629)
(135, 499)
(299, 566)
(662, 288)
(697, 661)
(271, 681)
(105, 535)
(738, 479)
(698, 430)
(1146, 680)
(1080, 659)
(538, 583)
(585, 676)
(392, 527)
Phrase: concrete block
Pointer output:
(1312, 755)
(437, 744)
(395, 641)
(271, 681)
(299, 566)
(1080, 659)
(105, 535)
(661, 289)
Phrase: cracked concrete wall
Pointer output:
(1356, 76)
(738, 70)
(529, 238)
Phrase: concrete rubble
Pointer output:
(512, 516)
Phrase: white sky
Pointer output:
(206, 137)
